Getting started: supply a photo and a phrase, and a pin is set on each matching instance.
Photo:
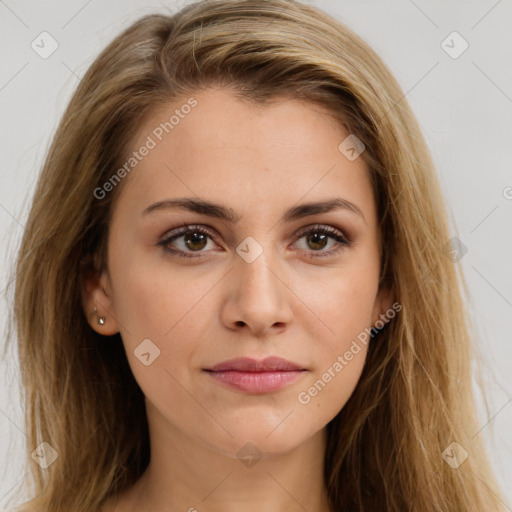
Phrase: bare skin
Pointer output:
(304, 298)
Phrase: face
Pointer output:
(257, 272)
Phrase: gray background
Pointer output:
(464, 106)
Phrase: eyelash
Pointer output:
(333, 233)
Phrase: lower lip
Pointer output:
(256, 382)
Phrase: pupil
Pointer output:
(319, 239)
(194, 238)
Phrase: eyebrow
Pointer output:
(228, 214)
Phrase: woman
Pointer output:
(233, 289)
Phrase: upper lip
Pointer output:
(246, 364)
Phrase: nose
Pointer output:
(257, 298)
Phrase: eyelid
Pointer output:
(322, 227)
(343, 241)
(183, 230)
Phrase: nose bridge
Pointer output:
(259, 296)
(255, 272)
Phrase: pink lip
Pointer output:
(254, 376)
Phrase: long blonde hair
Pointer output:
(387, 447)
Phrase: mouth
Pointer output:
(256, 377)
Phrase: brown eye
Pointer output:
(318, 237)
(195, 241)
(187, 240)
(317, 241)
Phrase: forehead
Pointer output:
(228, 150)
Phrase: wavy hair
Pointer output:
(386, 447)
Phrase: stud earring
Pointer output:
(101, 319)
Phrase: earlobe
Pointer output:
(97, 302)
(95, 314)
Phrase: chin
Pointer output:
(259, 439)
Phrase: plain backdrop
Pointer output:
(463, 100)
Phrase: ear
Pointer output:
(383, 303)
(97, 301)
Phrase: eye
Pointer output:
(318, 237)
(194, 239)
(187, 240)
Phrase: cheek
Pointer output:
(329, 390)
(340, 305)
(172, 315)
(151, 300)
(171, 308)
(345, 313)
(340, 354)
